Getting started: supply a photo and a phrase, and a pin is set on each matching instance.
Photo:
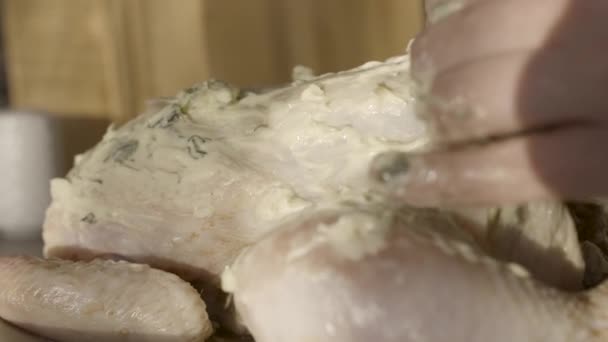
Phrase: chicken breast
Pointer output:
(185, 188)
(362, 274)
(99, 301)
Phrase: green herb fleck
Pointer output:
(170, 119)
(195, 146)
(89, 218)
(123, 152)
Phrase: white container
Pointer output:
(30, 155)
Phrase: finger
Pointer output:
(486, 28)
(513, 93)
(567, 164)
(100, 301)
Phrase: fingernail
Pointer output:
(388, 167)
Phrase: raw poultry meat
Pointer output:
(187, 187)
(369, 274)
(100, 301)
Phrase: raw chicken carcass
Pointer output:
(371, 274)
(187, 187)
(100, 301)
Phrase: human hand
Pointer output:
(514, 92)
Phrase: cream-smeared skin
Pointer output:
(100, 301)
(422, 284)
(185, 188)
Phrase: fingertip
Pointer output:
(396, 175)
(388, 166)
(498, 173)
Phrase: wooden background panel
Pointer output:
(163, 44)
(332, 35)
(55, 56)
(243, 42)
(258, 42)
(104, 58)
(3, 82)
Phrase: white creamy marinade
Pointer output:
(217, 167)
